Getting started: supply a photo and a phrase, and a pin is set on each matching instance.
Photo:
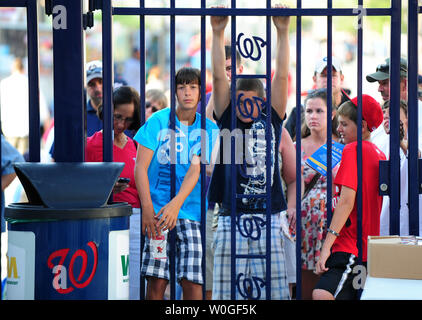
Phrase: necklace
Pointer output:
(121, 142)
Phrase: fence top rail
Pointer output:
(13, 3)
(254, 12)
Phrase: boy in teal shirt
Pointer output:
(153, 181)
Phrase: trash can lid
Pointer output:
(25, 212)
(64, 185)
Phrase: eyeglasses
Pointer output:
(149, 105)
(119, 118)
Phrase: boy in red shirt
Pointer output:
(339, 252)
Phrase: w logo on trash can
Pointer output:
(60, 271)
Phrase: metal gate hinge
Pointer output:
(88, 20)
(48, 7)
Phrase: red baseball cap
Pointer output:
(371, 111)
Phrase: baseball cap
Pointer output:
(94, 69)
(322, 64)
(371, 111)
(383, 71)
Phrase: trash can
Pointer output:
(67, 242)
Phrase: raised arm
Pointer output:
(279, 86)
(221, 86)
(210, 108)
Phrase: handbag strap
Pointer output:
(311, 184)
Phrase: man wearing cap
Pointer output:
(320, 81)
(339, 251)
(94, 90)
(382, 75)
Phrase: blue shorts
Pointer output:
(188, 255)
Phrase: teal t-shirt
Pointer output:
(156, 135)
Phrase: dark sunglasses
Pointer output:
(148, 105)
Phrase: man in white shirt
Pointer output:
(15, 107)
(382, 140)
(382, 76)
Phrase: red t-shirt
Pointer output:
(371, 200)
(94, 153)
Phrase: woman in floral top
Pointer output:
(314, 213)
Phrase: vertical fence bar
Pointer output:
(298, 154)
(173, 160)
(233, 166)
(68, 74)
(142, 60)
(268, 159)
(203, 144)
(413, 106)
(359, 154)
(329, 111)
(33, 82)
(395, 117)
(107, 43)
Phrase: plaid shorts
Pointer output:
(250, 271)
(188, 255)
